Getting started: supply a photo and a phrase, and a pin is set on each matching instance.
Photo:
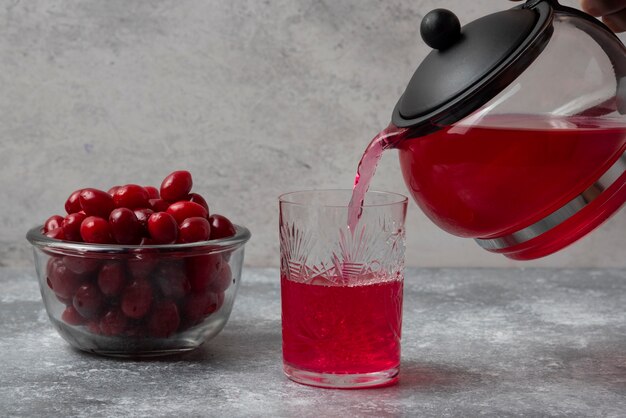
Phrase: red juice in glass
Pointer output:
(341, 287)
(338, 329)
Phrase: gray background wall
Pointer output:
(255, 98)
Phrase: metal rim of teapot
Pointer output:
(567, 211)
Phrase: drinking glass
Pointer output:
(341, 288)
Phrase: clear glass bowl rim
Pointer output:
(38, 239)
(287, 198)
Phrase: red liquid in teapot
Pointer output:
(509, 172)
(341, 329)
(504, 174)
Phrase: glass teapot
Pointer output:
(516, 127)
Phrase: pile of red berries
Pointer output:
(136, 215)
(148, 295)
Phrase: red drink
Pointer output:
(512, 171)
(341, 289)
(334, 329)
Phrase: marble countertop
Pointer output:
(475, 342)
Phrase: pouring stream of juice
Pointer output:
(386, 139)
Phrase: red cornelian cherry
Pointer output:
(197, 306)
(202, 270)
(153, 192)
(112, 190)
(96, 202)
(131, 196)
(221, 227)
(113, 322)
(71, 226)
(56, 233)
(88, 301)
(71, 316)
(112, 279)
(196, 198)
(81, 264)
(159, 205)
(125, 226)
(164, 320)
(194, 229)
(61, 279)
(222, 280)
(176, 186)
(183, 209)
(163, 228)
(53, 222)
(142, 216)
(72, 205)
(137, 299)
(96, 230)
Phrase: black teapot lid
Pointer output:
(470, 65)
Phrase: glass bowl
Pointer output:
(138, 301)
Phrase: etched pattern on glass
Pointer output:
(331, 255)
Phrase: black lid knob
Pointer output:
(470, 66)
(440, 29)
